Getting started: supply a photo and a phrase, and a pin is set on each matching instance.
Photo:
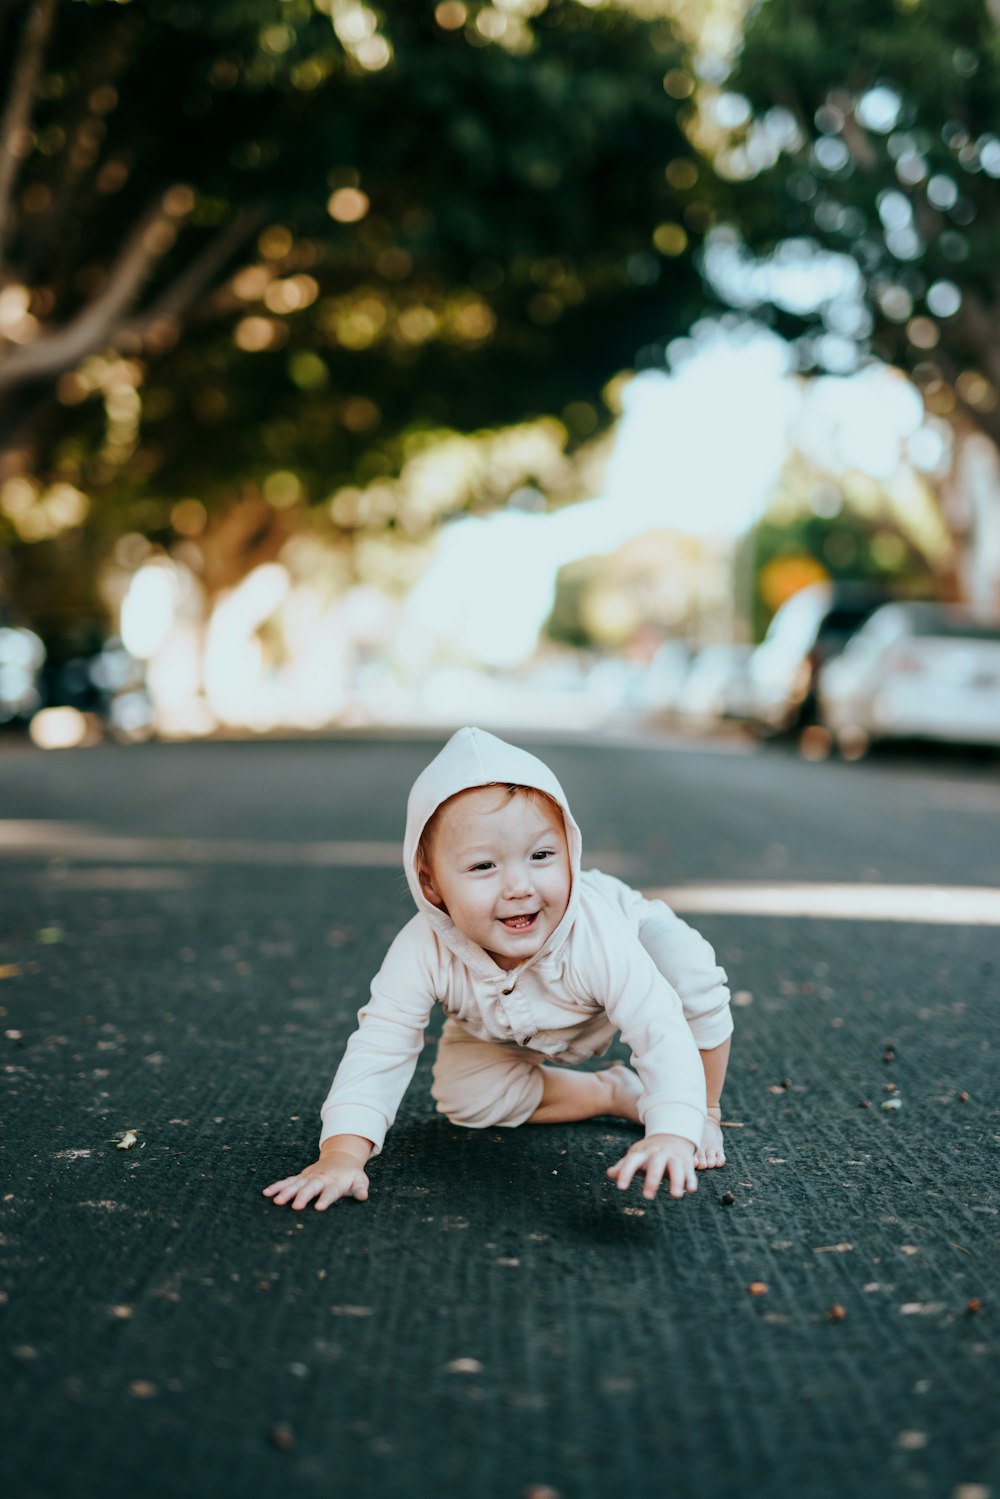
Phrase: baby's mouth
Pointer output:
(519, 923)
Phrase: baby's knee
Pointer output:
(446, 1095)
(460, 1102)
(488, 1096)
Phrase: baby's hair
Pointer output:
(537, 798)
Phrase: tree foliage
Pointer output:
(872, 132)
(273, 235)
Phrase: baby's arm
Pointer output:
(688, 963)
(374, 1072)
(615, 968)
(339, 1172)
(684, 957)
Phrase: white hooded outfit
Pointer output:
(615, 962)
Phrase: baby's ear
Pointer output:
(429, 888)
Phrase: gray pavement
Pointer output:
(497, 1318)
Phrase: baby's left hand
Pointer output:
(658, 1155)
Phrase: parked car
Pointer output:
(664, 677)
(716, 686)
(915, 671)
(106, 685)
(809, 630)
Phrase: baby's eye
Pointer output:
(544, 853)
(484, 864)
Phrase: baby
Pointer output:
(534, 963)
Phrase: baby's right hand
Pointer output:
(331, 1177)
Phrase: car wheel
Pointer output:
(853, 743)
(815, 742)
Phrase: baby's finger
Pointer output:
(277, 1186)
(654, 1175)
(287, 1188)
(629, 1166)
(329, 1194)
(307, 1192)
(680, 1177)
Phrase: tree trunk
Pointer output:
(971, 497)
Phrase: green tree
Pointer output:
(275, 236)
(870, 128)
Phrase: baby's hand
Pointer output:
(327, 1179)
(658, 1155)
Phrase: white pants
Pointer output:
(481, 1084)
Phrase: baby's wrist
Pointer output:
(715, 1111)
(355, 1147)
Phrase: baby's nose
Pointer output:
(519, 883)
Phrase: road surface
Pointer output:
(188, 932)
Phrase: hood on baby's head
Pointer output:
(474, 758)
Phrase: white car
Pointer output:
(715, 687)
(808, 631)
(915, 671)
(664, 677)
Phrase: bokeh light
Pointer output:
(59, 728)
(306, 536)
(451, 15)
(148, 611)
(348, 205)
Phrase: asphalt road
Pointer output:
(187, 934)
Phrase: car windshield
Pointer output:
(846, 621)
(953, 626)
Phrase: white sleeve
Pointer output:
(687, 961)
(684, 957)
(381, 1055)
(641, 1003)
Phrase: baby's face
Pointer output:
(500, 868)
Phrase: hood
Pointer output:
(474, 758)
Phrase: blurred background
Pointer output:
(557, 362)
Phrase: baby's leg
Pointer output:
(711, 1151)
(688, 963)
(586, 1095)
(714, 1060)
(482, 1084)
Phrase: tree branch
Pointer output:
(176, 299)
(96, 324)
(18, 111)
